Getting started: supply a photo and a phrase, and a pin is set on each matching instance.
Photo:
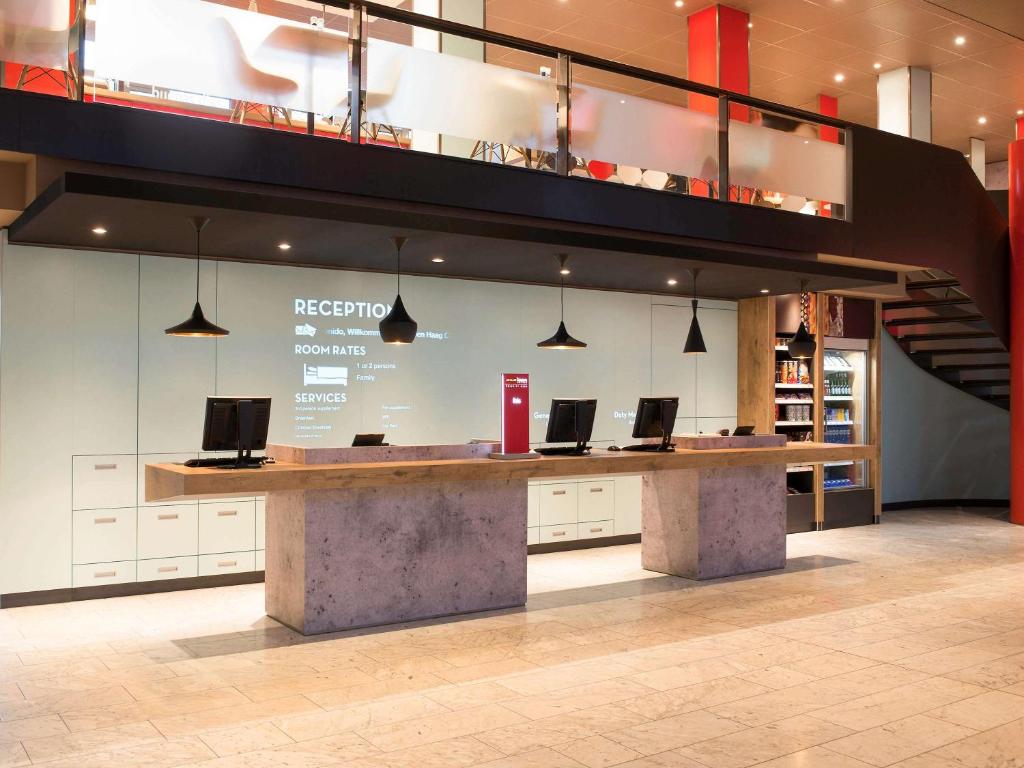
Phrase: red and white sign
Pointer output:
(515, 413)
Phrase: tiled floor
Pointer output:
(900, 644)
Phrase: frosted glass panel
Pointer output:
(792, 168)
(416, 88)
(206, 48)
(35, 32)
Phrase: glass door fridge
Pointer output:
(845, 406)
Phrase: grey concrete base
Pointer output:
(342, 559)
(706, 524)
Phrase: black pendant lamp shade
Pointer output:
(695, 339)
(398, 327)
(562, 339)
(802, 346)
(197, 325)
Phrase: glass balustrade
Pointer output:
(426, 87)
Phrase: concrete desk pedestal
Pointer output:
(710, 523)
(346, 558)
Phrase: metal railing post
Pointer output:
(76, 69)
(723, 147)
(356, 60)
(563, 77)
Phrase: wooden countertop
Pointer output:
(170, 482)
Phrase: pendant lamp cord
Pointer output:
(695, 272)
(198, 230)
(398, 241)
(562, 293)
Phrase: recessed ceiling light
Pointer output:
(750, 25)
(1020, 111)
(672, 281)
(679, 3)
(438, 259)
(839, 77)
(284, 246)
(622, 101)
(99, 230)
(959, 40)
(765, 290)
(877, 65)
(565, 271)
(982, 120)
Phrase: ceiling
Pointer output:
(798, 46)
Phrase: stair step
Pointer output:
(921, 285)
(920, 303)
(982, 382)
(949, 336)
(933, 320)
(972, 367)
(957, 351)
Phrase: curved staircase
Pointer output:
(941, 329)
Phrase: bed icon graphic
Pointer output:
(325, 375)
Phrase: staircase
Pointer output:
(942, 331)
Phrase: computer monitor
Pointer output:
(237, 424)
(656, 417)
(571, 421)
(368, 439)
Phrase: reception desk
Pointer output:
(366, 536)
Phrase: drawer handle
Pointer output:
(104, 574)
(167, 517)
(104, 466)
(167, 569)
(597, 490)
(227, 512)
(102, 520)
(596, 530)
(558, 493)
(227, 563)
(557, 533)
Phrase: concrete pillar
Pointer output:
(905, 102)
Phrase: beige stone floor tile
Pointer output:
(575, 698)
(175, 686)
(196, 723)
(88, 719)
(103, 740)
(864, 682)
(153, 754)
(898, 703)
(471, 695)
(539, 758)
(319, 724)
(772, 706)
(678, 701)
(336, 698)
(1001, 747)
(1000, 673)
(62, 702)
(830, 664)
(568, 676)
(597, 752)
(486, 670)
(982, 712)
(535, 734)
(673, 732)
(899, 740)
(450, 753)
(438, 727)
(815, 757)
(689, 673)
(947, 660)
(750, 746)
(245, 738)
(663, 760)
(926, 760)
(290, 686)
(778, 677)
(12, 754)
(347, 748)
(10, 692)
(32, 728)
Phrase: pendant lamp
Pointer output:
(802, 346)
(397, 327)
(197, 325)
(562, 339)
(694, 339)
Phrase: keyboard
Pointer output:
(647, 447)
(256, 461)
(566, 451)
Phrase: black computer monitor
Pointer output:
(368, 439)
(656, 417)
(237, 424)
(571, 421)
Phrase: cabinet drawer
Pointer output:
(261, 524)
(227, 562)
(169, 531)
(532, 506)
(558, 503)
(158, 458)
(596, 501)
(103, 482)
(550, 533)
(227, 526)
(261, 560)
(96, 574)
(103, 535)
(532, 536)
(168, 568)
(595, 530)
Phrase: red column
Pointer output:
(718, 53)
(829, 107)
(1020, 128)
(1016, 174)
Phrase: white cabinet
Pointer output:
(168, 531)
(103, 482)
(227, 562)
(628, 500)
(101, 574)
(227, 527)
(549, 534)
(532, 506)
(596, 529)
(261, 560)
(100, 535)
(168, 568)
(596, 500)
(558, 503)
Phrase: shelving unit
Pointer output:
(833, 399)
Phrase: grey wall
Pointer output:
(938, 442)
